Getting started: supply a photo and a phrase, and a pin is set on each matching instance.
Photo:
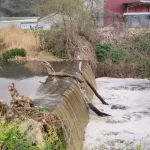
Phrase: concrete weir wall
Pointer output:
(73, 112)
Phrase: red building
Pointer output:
(123, 6)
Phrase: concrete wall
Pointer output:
(137, 20)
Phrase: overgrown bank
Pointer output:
(123, 53)
(128, 58)
(119, 53)
(24, 126)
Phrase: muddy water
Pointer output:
(129, 125)
(27, 77)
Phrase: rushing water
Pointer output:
(129, 124)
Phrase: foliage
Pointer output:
(106, 50)
(141, 43)
(14, 52)
(12, 139)
(116, 55)
(71, 20)
(42, 109)
(143, 70)
(54, 42)
(102, 51)
(55, 141)
(58, 53)
(132, 58)
(61, 137)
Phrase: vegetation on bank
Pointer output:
(13, 137)
(130, 59)
(76, 36)
(13, 53)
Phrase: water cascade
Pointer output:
(73, 112)
(61, 95)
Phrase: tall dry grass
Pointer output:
(13, 37)
(121, 70)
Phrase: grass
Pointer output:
(42, 109)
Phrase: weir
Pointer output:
(66, 100)
(61, 95)
(73, 113)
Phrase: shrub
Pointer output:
(102, 50)
(55, 141)
(14, 52)
(12, 139)
(58, 53)
(116, 55)
(142, 43)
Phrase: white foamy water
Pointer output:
(129, 124)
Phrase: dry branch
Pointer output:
(94, 90)
(91, 86)
(51, 72)
(89, 104)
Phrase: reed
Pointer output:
(13, 37)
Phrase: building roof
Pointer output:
(23, 21)
(17, 18)
(141, 13)
(141, 2)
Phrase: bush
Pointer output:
(55, 141)
(102, 50)
(142, 43)
(58, 53)
(12, 139)
(116, 55)
(14, 52)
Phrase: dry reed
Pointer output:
(121, 70)
(13, 37)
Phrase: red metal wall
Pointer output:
(117, 5)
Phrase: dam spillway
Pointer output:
(61, 95)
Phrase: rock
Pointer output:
(119, 107)
(34, 131)
(3, 108)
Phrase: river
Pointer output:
(128, 126)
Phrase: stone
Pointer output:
(119, 107)
(34, 131)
